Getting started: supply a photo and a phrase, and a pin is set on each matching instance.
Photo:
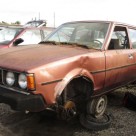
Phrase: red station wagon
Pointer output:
(71, 71)
(11, 36)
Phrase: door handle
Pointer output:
(130, 56)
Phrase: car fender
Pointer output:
(78, 72)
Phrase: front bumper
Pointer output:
(22, 102)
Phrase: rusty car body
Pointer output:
(71, 70)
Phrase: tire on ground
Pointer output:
(91, 123)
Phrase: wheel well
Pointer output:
(78, 89)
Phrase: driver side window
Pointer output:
(119, 39)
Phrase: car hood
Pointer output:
(3, 46)
(30, 57)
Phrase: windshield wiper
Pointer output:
(75, 44)
(48, 42)
(68, 43)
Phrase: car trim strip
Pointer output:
(50, 82)
(99, 71)
(93, 72)
(121, 67)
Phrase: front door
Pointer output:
(119, 59)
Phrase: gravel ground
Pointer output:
(19, 124)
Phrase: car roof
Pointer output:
(36, 21)
(101, 21)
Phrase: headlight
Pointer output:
(10, 78)
(22, 81)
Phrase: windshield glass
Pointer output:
(8, 34)
(90, 34)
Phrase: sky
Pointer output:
(56, 12)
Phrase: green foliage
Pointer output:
(5, 23)
(17, 22)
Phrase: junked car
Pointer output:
(36, 23)
(11, 36)
(72, 70)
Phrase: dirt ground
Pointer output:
(19, 124)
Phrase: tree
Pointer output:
(17, 23)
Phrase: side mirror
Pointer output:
(18, 41)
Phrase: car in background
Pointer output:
(47, 31)
(1, 27)
(36, 23)
(11, 36)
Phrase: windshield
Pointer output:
(8, 34)
(90, 34)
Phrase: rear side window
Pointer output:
(132, 34)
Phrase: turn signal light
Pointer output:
(30, 82)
